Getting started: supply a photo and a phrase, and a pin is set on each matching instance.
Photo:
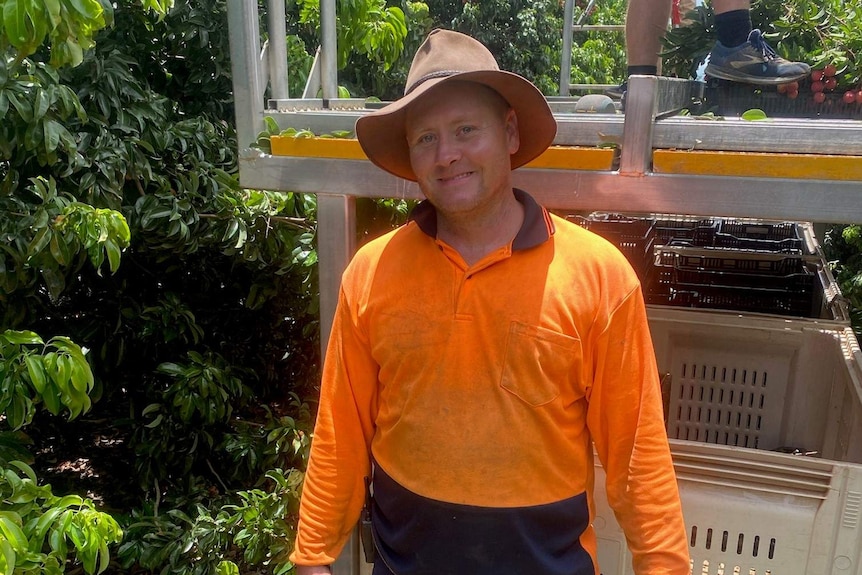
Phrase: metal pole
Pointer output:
(566, 60)
(329, 50)
(641, 104)
(244, 35)
(336, 233)
(276, 23)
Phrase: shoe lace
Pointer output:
(759, 44)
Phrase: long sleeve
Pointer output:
(334, 489)
(626, 421)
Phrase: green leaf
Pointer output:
(53, 9)
(15, 20)
(156, 422)
(22, 337)
(42, 239)
(82, 376)
(51, 131)
(19, 412)
(271, 125)
(227, 568)
(89, 9)
(40, 103)
(51, 399)
(69, 501)
(60, 250)
(36, 371)
(25, 469)
(12, 531)
(38, 534)
(23, 107)
(114, 255)
(61, 372)
(9, 557)
(754, 114)
(170, 368)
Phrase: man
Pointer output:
(479, 352)
(740, 54)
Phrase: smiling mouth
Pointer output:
(455, 178)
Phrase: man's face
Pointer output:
(461, 137)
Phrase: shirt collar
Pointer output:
(536, 229)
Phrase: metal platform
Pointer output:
(634, 185)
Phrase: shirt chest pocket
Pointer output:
(539, 362)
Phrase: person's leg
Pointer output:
(732, 21)
(646, 22)
(741, 54)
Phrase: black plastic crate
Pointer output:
(685, 231)
(734, 280)
(751, 263)
(741, 299)
(775, 237)
(634, 237)
(694, 279)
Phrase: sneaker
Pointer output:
(754, 62)
(617, 92)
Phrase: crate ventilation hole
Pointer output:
(720, 405)
(722, 570)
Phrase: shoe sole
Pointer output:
(746, 79)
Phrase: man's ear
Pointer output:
(512, 131)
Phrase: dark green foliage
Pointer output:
(125, 231)
(843, 247)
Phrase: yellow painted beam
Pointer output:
(555, 157)
(339, 148)
(575, 158)
(758, 164)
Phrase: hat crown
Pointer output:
(446, 53)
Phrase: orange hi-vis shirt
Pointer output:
(479, 392)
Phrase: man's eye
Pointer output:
(466, 129)
(425, 139)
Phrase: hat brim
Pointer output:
(384, 140)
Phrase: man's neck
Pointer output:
(474, 237)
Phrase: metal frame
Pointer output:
(631, 188)
(569, 28)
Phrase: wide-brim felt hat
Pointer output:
(448, 56)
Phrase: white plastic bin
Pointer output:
(738, 387)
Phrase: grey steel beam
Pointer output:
(336, 243)
(641, 108)
(781, 135)
(276, 22)
(328, 50)
(566, 59)
(244, 33)
(769, 198)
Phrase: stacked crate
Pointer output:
(635, 237)
(719, 263)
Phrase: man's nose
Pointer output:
(448, 150)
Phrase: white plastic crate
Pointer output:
(736, 388)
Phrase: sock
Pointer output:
(643, 70)
(732, 28)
